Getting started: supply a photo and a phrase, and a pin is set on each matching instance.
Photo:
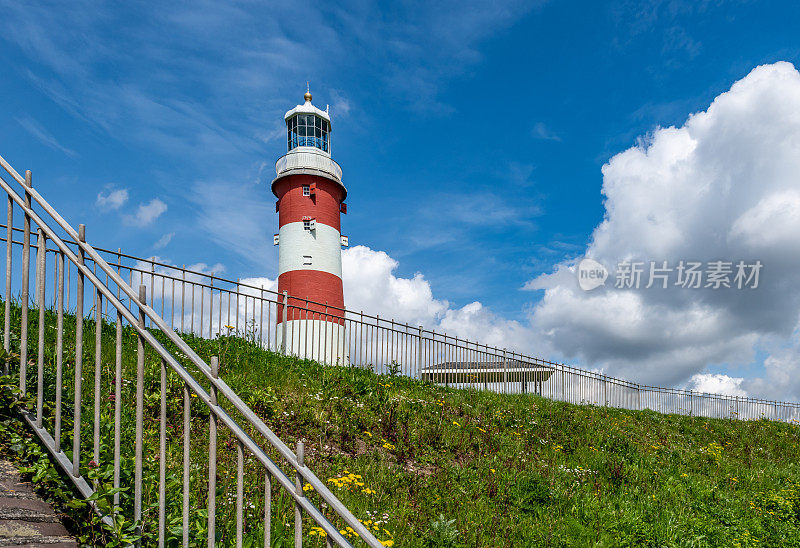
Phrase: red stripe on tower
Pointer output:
(310, 198)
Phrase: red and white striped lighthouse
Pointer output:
(310, 199)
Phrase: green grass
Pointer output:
(451, 467)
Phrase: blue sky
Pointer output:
(471, 136)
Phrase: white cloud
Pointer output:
(341, 105)
(717, 384)
(722, 186)
(163, 241)
(773, 222)
(146, 213)
(250, 77)
(268, 284)
(34, 128)
(113, 199)
(371, 285)
(235, 217)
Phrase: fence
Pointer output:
(385, 345)
(171, 388)
(202, 303)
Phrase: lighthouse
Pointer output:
(310, 193)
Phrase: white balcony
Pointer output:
(306, 160)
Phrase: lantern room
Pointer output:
(308, 126)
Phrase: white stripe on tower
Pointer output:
(318, 249)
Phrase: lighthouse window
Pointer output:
(306, 224)
(307, 130)
(306, 190)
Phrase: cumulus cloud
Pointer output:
(113, 199)
(717, 384)
(371, 285)
(723, 186)
(146, 213)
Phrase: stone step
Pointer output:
(25, 519)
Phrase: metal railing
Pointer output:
(207, 305)
(308, 158)
(80, 446)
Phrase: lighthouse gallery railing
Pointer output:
(80, 269)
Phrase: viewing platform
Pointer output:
(308, 160)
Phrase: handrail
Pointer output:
(196, 388)
(216, 382)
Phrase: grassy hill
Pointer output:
(430, 466)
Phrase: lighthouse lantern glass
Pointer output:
(307, 130)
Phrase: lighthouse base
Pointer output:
(320, 340)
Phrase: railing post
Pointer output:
(419, 354)
(41, 250)
(187, 416)
(26, 265)
(98, 368)
(267, 510)
(153, 282)
(210, 309)
(137, 482)
(76, 439)
(284, 315)
(117, 404)
(298, 484)
(505, 373)
(9, 254)
(183, 297)
(377, 343)
(239, 493)
(238, 288)
(59, 351)
(212, 458)
(162, 458)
